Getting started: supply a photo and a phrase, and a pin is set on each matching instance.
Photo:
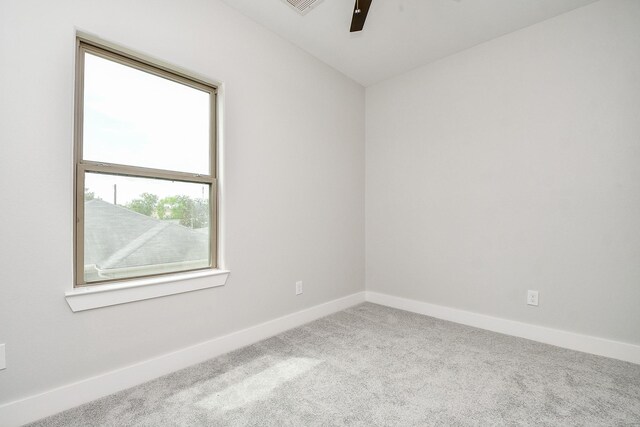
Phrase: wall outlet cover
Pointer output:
(3, 359)
(298, 288)
(532, 298)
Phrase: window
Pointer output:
(145, 169)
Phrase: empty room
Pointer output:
(320, 213)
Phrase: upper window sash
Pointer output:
(109, 84)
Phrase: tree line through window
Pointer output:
(193, 213)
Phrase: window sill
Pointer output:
(90, 297)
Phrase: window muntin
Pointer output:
(145, 169)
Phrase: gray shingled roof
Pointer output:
(116, 237)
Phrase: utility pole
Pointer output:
(115, 194)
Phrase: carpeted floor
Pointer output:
(376, 366)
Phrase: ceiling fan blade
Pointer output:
(357, 22)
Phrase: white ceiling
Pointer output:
(399, 35)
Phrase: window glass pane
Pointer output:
(139, 226)
(139, 119)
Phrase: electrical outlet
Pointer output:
(3, 359)
(298, 288)
(532, 298)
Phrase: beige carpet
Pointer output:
(376, 366)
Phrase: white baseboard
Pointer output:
(573, 341)
(53, 401)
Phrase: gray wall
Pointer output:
(515, 165)
(293, 184)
